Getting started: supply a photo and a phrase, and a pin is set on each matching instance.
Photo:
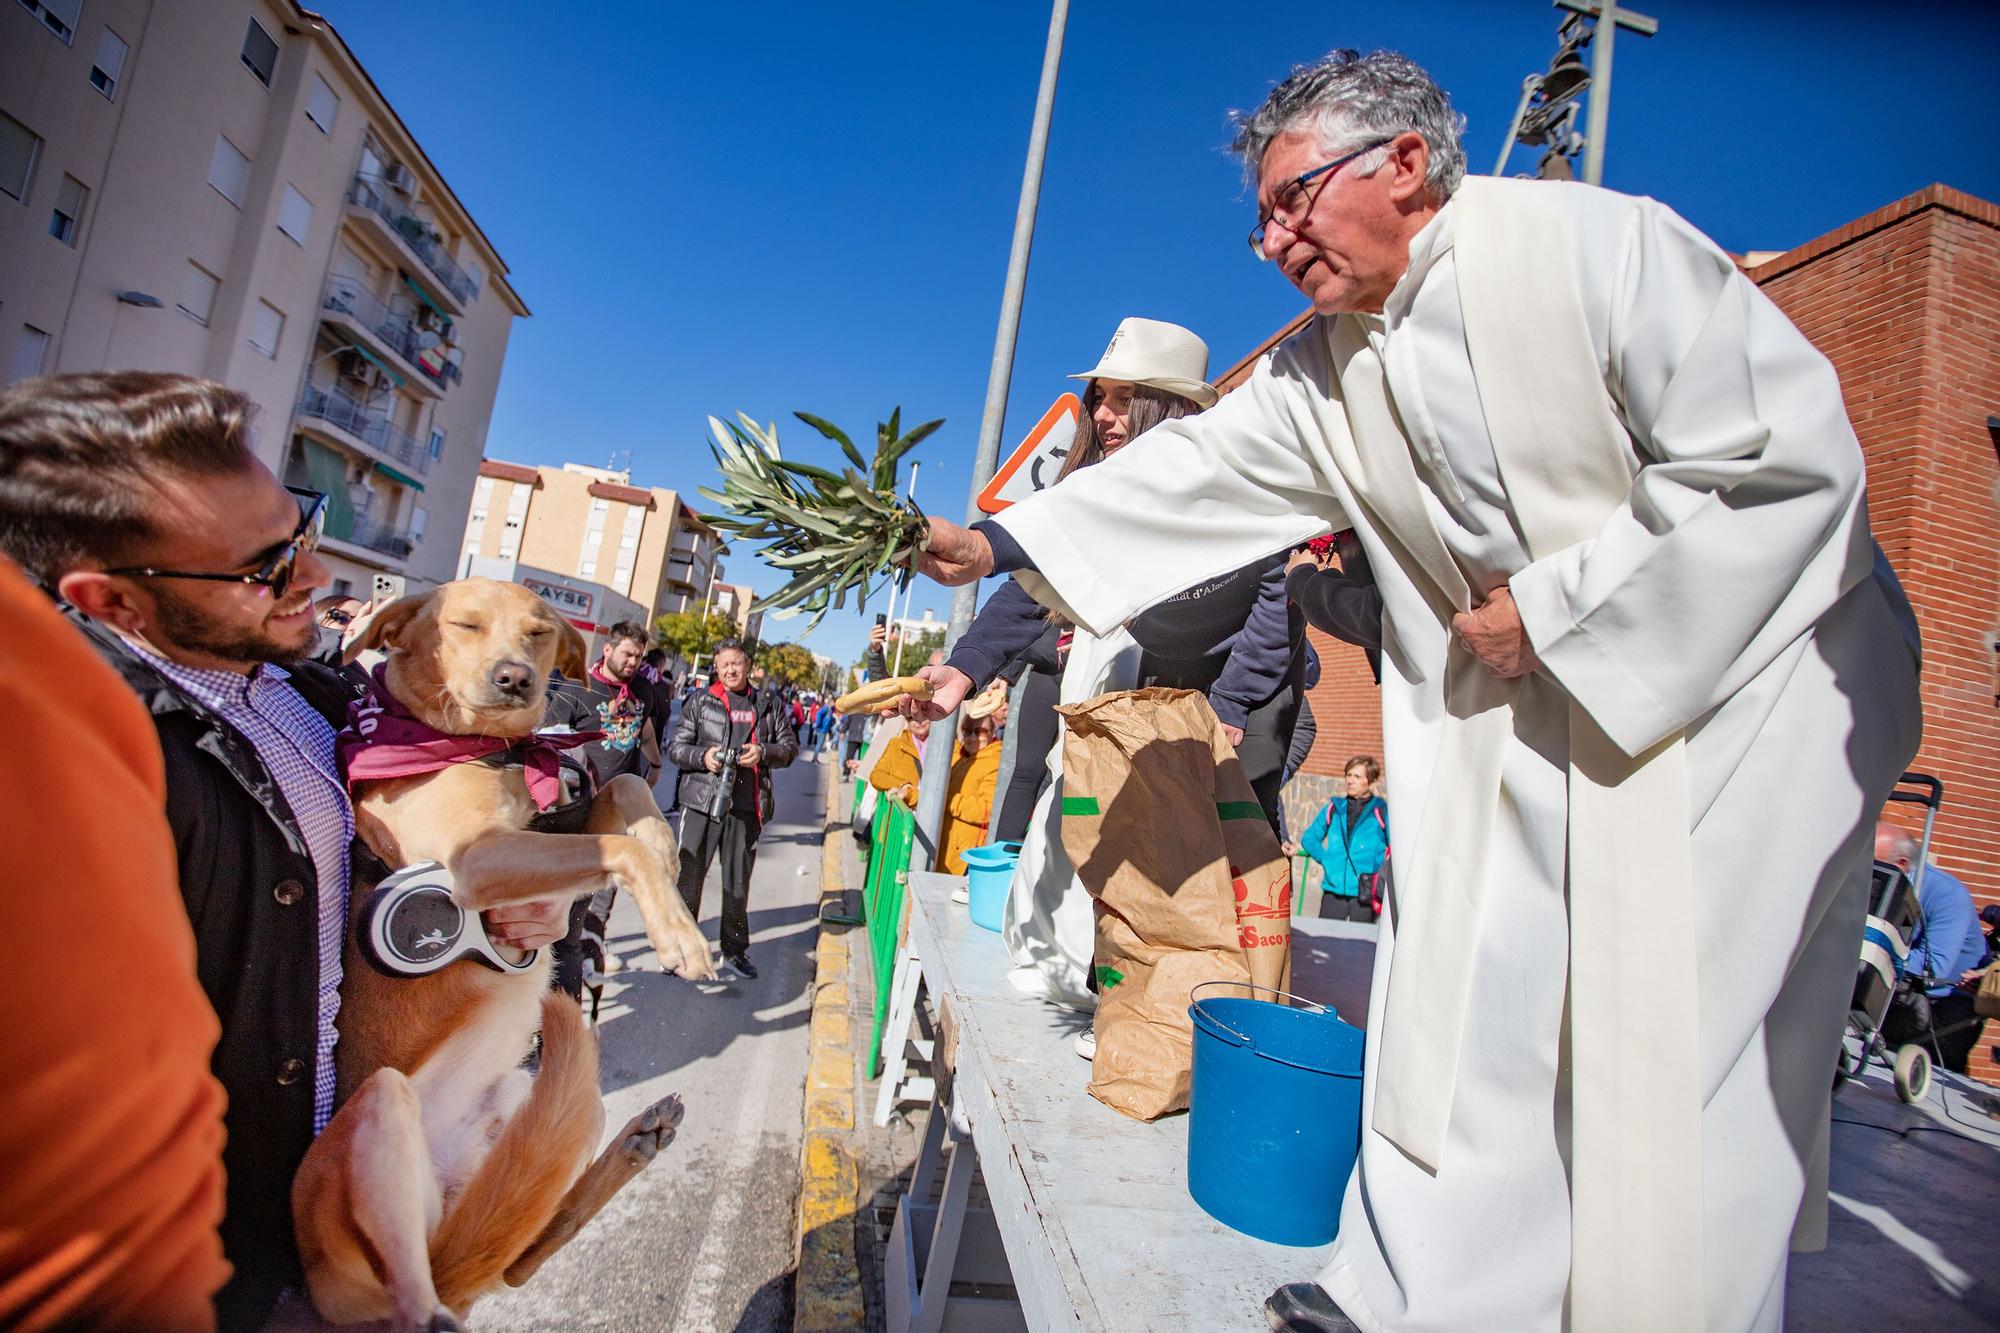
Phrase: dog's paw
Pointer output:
(696, 961)
(651, 1130)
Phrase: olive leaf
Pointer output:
(833, 532)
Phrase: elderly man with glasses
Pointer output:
(135, 499)
(1645, 678)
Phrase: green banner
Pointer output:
(1239, 810)
(1080, 805)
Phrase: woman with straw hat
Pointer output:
(1235, 638)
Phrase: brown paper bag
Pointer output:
(1190, 881)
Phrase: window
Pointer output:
(19, 148)
(420, 517)
(267, 325)
(437, 445)
(228, 171)
(321, 105)
(198, 290)
(67, 219)
(30, 354)
(58, 16)
(295, 215)
(110, 63)
(260, 52)
(476, 276)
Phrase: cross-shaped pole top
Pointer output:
(1599, 123)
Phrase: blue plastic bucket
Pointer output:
(989, 871)
(1274, 1121)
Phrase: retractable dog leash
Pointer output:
(411, 927)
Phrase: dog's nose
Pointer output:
(514, 677)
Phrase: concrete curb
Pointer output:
(827, 1291)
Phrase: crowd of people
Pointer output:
(1638, 651)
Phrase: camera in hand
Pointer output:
(727, 758)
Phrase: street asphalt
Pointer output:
(704, 1238)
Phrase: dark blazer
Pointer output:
(252, 895)
(704, 722)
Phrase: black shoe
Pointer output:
(1304, 1307)
(741, 962)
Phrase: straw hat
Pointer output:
(1159, 355)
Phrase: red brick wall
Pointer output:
(1346, 704)
(1906, 304)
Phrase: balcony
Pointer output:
(351, 423)
(415, 235)
(385, 538)
(369, 316)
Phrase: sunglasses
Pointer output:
(276, 572)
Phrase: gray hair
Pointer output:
(1902, 846)
(1347, 99)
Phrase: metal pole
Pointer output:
(1528, 86)
(1599, 123)
(909, 588)
(937, 753)
(713, 574)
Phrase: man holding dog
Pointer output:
(137, 500)
(731, 733)
(1639, 652)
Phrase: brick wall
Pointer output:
(1906, 303)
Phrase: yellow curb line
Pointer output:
(827, 1292)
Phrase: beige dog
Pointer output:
(447, 1168)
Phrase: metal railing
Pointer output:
(417, 233)
(371, 428)
(396, 329)
(383, 537)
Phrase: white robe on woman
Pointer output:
(1720, 637)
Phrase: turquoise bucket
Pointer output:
(989, 871)
(1274, 1120)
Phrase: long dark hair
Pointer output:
(1150, 407)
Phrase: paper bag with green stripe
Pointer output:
(1190, 881)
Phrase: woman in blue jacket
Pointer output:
(1350, 840)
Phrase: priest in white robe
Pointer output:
(1646, 682)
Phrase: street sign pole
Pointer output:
(937, 753)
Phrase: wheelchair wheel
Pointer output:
(1913, 1074)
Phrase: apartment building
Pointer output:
(640, 549)
(734, 600)
(220, 189)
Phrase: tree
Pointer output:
(689, 634)
(788, 662)
(917, 649)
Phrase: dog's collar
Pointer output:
(383, 740)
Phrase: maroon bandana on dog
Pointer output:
(383, 739)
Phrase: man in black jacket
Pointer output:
(135, 497)
(756, 725)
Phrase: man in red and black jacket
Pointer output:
(729, 716)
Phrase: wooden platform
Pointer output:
(1093, 1208)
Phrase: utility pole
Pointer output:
(937, 753)
(909, 587)
(1597, 128)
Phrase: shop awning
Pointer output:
(380, 364)
(426, 298)
(394, 475)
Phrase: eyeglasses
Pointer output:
(1295, 202)
(275, 573)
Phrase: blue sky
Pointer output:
(808, 206)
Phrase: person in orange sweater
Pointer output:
(110, 1121)
(975, 775)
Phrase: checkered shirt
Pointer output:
(295, 744)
